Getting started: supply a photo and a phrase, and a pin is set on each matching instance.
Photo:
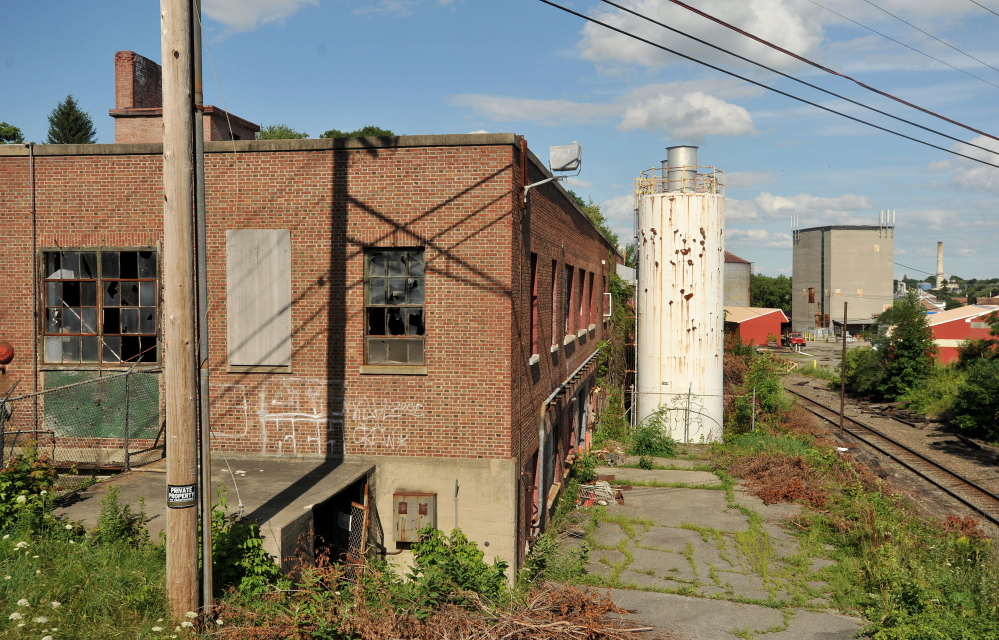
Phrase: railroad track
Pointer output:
(968, 493)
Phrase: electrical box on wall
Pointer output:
(411, 511)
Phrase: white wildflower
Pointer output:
(23, 602)
(55, 605)
(191, 615)
(157, 629)
(41, 620)
(21, 499)
(20, 624)
(15, 616)
(6, 577)
(69, 527)
(20, 545)
(72, 541)
(219, 622)
(38, 572)
(159, 619)
(6, 536)
(36, 557)
(54, 629)
(47, 638)
(43, 492)
(187, 624)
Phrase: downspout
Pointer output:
(201, 269)
(34, 285)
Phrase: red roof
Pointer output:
(731, 257)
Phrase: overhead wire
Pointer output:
(764, 86)
(943, 42)
(899, 42)
(812, 63)
(798, 80)
(984, 7)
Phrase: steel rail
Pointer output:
(852, 428)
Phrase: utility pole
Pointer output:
(842, 374)
(178, 308)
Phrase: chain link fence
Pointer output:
(88, 421)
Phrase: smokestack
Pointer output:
(940, 271)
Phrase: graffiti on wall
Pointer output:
(295, 416)
(291, 415)
(376, 418)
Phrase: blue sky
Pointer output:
(458, 66)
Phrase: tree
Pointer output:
(280, 132)
(904, 349)
(363, 132)
(69, 125)
(770, 293)
(9, 134)
(593, 212)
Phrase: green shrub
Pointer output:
(445, 566)
(823, 373)
(935, 395)
(584, 468)
(652, 437)
(238, 555)
(761, 383)
(549, 560)
(116, 522)
(976, 407)
(25, 489)
(645, 462)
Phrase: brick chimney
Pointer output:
(138, 112)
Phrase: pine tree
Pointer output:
(69, 125)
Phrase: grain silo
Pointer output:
(680, 288)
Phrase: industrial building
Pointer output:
(738, 281)
(402, 301)
(681, 258)
(755, 325)
(951, 328)
(833, 265)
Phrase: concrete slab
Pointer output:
(665, 462)
(623, 476)
(280, 494)
(672, 507)
(716, 619)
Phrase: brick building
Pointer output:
(389, 300)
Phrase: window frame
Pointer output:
(393, 366)
(99, 305)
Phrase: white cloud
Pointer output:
(690, 116)
(620, 215)
(760, 238)
(744, 179)
(671, 108)
(964, 251)
(815, 210)
(576, 183)
(246, 15)
(792, 24)
(740, 210)
(479, 131)
(975, 176)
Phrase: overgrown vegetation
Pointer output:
(755, 397)
(900, 357)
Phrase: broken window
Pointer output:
(100, 307)
(534, 303)
(567, 301)
(394, 285)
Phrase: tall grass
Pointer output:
(935, 395)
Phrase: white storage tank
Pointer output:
(681, 260)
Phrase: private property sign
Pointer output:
(180, 496)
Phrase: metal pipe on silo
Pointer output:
(940, 271)
(680, 291)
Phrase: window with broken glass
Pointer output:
(100, 307)
(394, 282)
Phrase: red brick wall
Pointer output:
(138, 81)
(480, 398)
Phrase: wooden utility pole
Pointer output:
(842, 375)
(178, 308)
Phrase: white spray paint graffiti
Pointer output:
(373, 433)
(291, 414)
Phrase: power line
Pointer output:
(887, 37)
(790, 77)
(931, 35)
(984, 7)
(764, 86)
(915, 269)
(823, 68)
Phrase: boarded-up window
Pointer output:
(258, 293)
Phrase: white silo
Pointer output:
(681, 258)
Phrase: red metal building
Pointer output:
(951, 328)
(754, 324)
